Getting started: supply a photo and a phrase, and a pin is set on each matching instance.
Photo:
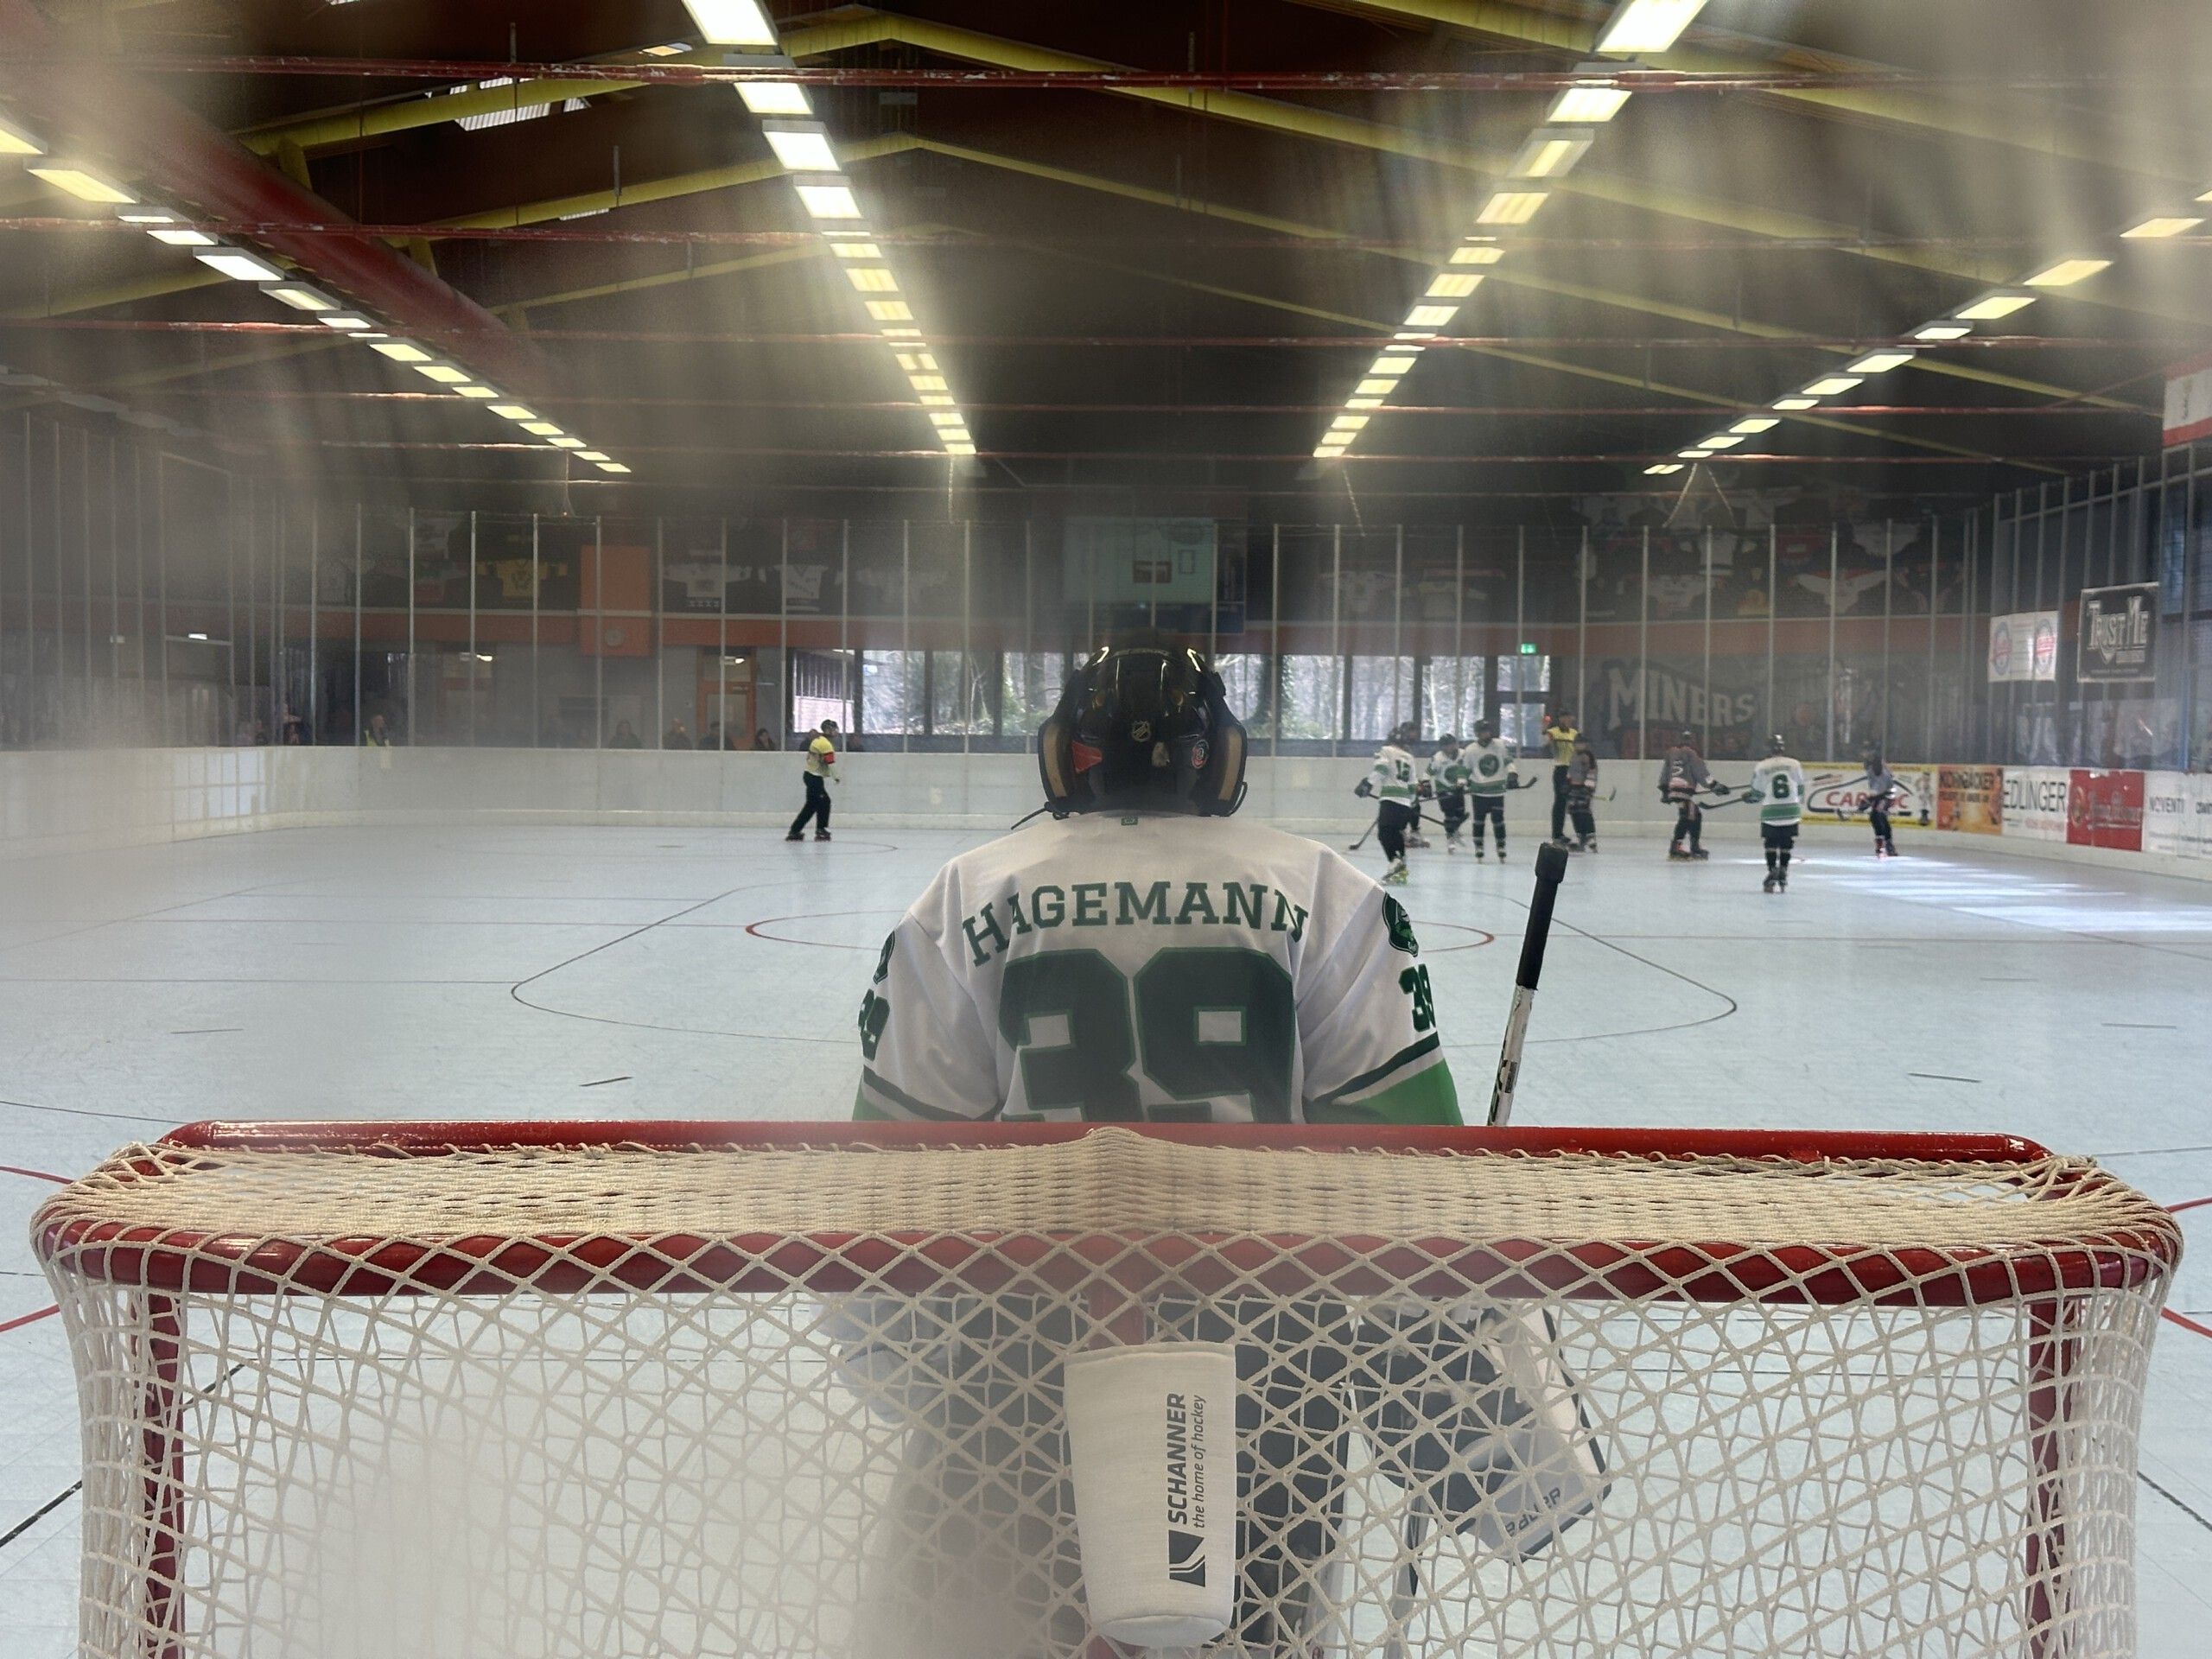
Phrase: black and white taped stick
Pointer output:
(1551, 869)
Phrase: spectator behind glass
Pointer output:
(625, 737)
(762, 739)
(378, 735)
(711, 737)
(675, 737)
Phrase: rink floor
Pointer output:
(542, 972)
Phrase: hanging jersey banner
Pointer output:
(2120, 635)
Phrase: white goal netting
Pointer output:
(356, 1394)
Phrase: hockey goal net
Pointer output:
(601, 1390)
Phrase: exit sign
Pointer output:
(1527, 648)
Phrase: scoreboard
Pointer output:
(1140, 561)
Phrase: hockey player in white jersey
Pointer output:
(1447, 781)
(1395, 787)
(1778, 785)
(1142, 954)
(1489, 768)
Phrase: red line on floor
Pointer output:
(35, 1174)
(2183, 1320)
(49, 1312)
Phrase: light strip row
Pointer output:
(803, 147)
(1992, 306)
(239, 265)
(1570, 127)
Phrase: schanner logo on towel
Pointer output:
(1186, 1561)
(1186, 1487)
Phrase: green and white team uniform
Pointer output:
(1778, 785)
(1489, 765)
(1450, 774)
(1168, 967)
(1393, 777)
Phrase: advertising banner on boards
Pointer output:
(2035, 801)
(1970, 798)
(2024, 647)
(2168, 798)
(1834, 791)
(2105, 808)
(2120, 635)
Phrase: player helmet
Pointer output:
(1688, 738)
(1447, 741)
(1776, 746)
(1405, 731)
(1486, 730)
(1143, 723)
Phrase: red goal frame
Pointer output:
(168, 1263)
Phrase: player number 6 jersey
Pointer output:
(1165, 967)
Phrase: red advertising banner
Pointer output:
(2105, 808)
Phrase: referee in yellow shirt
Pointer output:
(1559, 732)
(821, 766)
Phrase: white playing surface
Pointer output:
(549, 972)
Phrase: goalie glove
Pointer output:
(1475, 1418)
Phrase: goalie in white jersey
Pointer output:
(1143, 956)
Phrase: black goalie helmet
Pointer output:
(1144, 724)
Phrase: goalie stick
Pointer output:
(1551, 869)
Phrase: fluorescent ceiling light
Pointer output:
(475, 392)
(1512, 208)
(829, 199)
(1423, 334)
(1943, 331)
(543, 429)
(959, 449)
(612, 466)
(1662, 469)
(1430, 316)
(400, 351)
(1550, 152)
(513, 412)
(671, 49)
(1587, 106)
(873, 279)
(732, 22)
(1391, 363)
(1477, 253)
(183, 238)
(1832, 385)
(1453, 285)
(301, 298)
(1796, 403)
(593, 454)
(890, 310)
(86, 186)
(1992, 306)
(1327, 451)
(14, 141)
(901, 332)
(2154, 229)
(1695, 455)
(856, 250)
(937, 419)
(444, 373)
(2067, 272)
(1348, 422)
(1376, 388)
(568, 444)
(239, 267)
(927, 382)
(1881, 362)
(774, 98)
(1362, 402)
(936, 400)
(1647, 25)
(1756, 423)
(148, 217)
(802, 150)
(1723, 440)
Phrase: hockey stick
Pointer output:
(1372, 825)
(1551, 869)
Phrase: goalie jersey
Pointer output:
(1106, 969)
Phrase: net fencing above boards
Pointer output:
(603, 1389)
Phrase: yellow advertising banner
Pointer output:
(1971, 798)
